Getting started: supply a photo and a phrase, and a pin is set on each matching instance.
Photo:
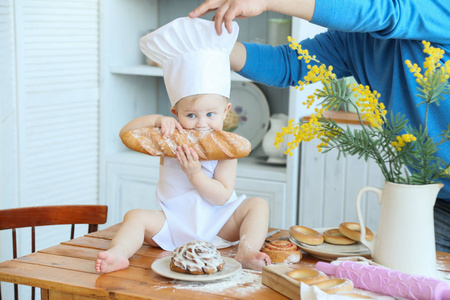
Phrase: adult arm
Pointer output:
(389, 19)
(228, 10)
(279, 66)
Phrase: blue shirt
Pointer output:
(369, 40)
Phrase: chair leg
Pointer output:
(44, 294)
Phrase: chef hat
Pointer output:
(195, 60)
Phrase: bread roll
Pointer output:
(352, 230)
(308, 276)
(334, 236)
(282, 251)
(209, 145)
(306, 235)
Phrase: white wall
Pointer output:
(8, 118)
(49, 83)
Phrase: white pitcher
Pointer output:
(276, 155)
(405, 237)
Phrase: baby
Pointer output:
(197, 198)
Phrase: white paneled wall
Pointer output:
(58, 100)
(8, 115)
(328, 188)
(49, 89)
(8, 127)
(8, 118)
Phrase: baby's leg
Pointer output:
(249, 223)
(138, 225)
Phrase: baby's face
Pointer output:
(202, 112)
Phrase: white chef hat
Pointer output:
(195, 60)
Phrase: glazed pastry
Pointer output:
(196, 257)
(282, 251)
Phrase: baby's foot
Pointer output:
(253, 260)
(109, 261)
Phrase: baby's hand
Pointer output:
(168, 126)
(188, 159)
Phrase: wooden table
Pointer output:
(66, 271)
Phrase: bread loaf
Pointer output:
(209, 145)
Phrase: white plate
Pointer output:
(162, 267)
(331, 252)
(250, 104)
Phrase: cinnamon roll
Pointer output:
(198, 258)
(282, 251)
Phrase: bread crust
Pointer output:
(334, 236)
(353, 231)
(306, 235)
(307, 276)
(209, 145)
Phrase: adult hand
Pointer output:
(228, 10)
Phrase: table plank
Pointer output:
(103, 244)
(62, 262)
(107, 233)
(139, 261)
(88, 266)
(20, 272)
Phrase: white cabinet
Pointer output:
(130, 185)
(274, 192)
(268, 182)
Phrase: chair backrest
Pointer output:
(14, 218)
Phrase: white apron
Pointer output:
(188, 215)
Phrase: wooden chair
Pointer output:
(93, 215)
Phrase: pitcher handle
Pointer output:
(379, 192)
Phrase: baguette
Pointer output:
(209, 145)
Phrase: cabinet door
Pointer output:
(272, 191)
(129, 187)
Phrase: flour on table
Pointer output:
(293, 258)
(246, 281)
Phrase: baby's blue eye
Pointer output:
(210, 114)
(191, 116)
